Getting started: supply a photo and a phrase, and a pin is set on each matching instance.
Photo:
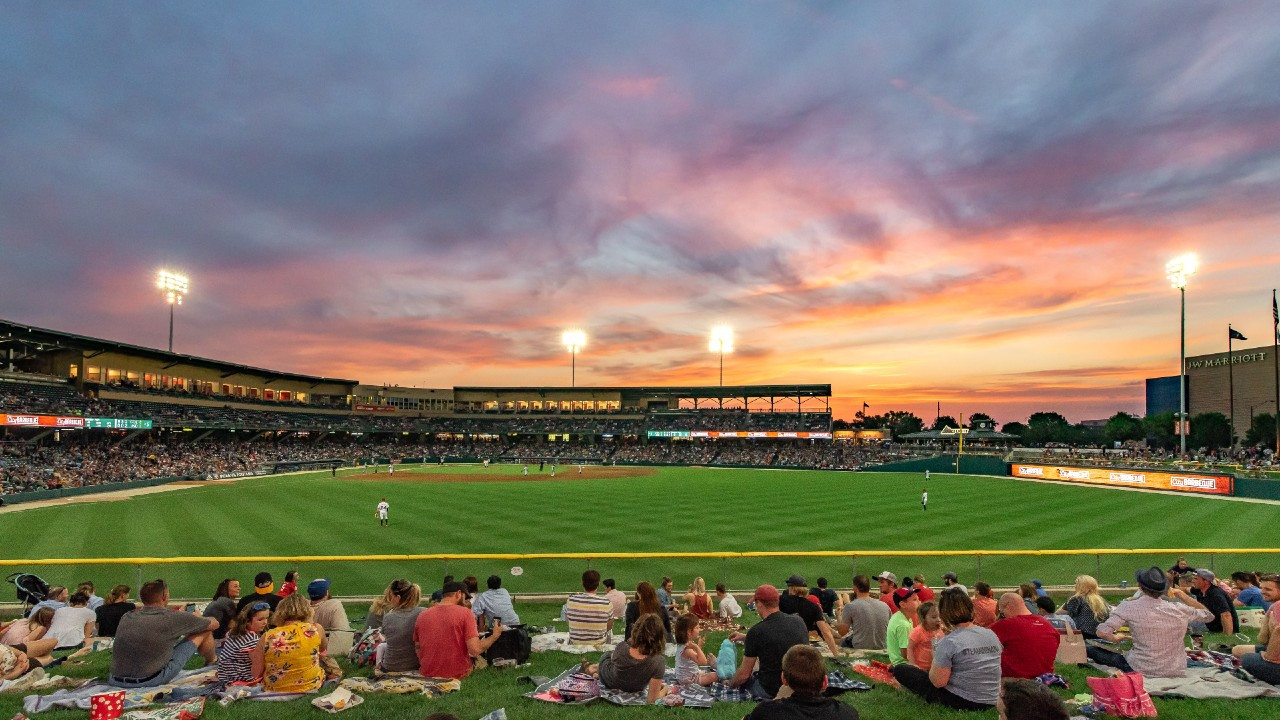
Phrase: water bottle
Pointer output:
(1124, 584)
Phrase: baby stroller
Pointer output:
(31, 589)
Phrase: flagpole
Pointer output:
(1231, 384)
(1275, 360)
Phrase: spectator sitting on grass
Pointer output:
(292, 650)
(864, 619)
(588, 612)
(1248, 593)
(697, 599)
(646, 602)
(1048, 609)
(445, 637)
(397, 654)
(799, 602)
(804, 673)
(223, 606)
(330, 615)
(263, 591)
(57, 598)
(154, 643)
(923, 591)
(1215, 599)
(87, 588)
(1087, 607)
(240, 654)
(984, 605)
(965, 674)
(1158, 628)
(1030, 642)
(898, 634)
(727, 604)
(690, 657)
(888, 583)
(765, 644)
(639, 663)
(664, 594)
(1027, 700)
(494, 604)
(826, 597)
(951, 580)
(1263, 660)
(617, 598)
(73, 625)
(922, 637)
(28, 629)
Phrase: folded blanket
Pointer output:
(559, 642)
(1209, 682)
(402, 684)
(691, 695)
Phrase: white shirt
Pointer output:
(68, 625)
(924, 497)
(383, 507)
(729, 607)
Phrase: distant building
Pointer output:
(1252, 370)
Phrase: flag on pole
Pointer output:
(1275, 314)
(1235, 334)
(865, 406)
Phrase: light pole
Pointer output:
(575, 340)
(175, 287)
(721, 342)
(1178, 270)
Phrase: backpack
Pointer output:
(31, 589)
(363, 650)
(579, 687)
(513, 644)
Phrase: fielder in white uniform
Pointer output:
(383, 509)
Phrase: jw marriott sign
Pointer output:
(1237, 359)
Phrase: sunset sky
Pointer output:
(962, 202)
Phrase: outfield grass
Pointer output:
(671, 509)
(490, 689)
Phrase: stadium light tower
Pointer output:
(175, 288)
(721, 342)
(1178, 270)
(575, 340)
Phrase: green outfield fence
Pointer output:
(353, 575)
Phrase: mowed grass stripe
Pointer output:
(670, 510)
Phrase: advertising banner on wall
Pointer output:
(49, 421)
(1121, 477)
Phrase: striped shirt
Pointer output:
(588, 615)
(1158, 628)
(234, 664)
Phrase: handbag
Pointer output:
(1071, 648)
(513, 644)
(1122, 695)
(579, 687)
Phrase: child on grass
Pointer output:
(691, 658)
(920, 641)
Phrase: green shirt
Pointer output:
(897, 637)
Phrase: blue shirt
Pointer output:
(1252, 597)
(54, 604)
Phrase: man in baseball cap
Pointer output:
(1156, 652)
(888, 583)
(799, 602)
(898, 635)
(765, 643)
(1215, 599)
(263, 591)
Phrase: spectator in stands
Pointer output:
(898, 634)
(154, 643)
(445, 637)
(1086, 607)
(112, 609)
(73, 625)
(291, 650)
(922, 637)
(826, 597)
(951, 580)
(398, 654)
(664, 594)
(923, 591)
(888, 583)
(329, 614)
(290, 584)
(1215, 599)
(240, 654)
(263, 591)
(765, 644)
(1157, 628)
(617, 599)
(1248, 592)
(588, 612)
(805, 673)
(639, 663)
(494, 605)
(798, 602)
(727, 604)
(223, 606)
(1030, 642)
(1027, 700)
(1263, 660)
(697, 600)
(88, 588)
(646, 602)
(864, 619)
(57, 598)
(966, 663)
(984, 605)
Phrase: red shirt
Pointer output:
(441, 634)
(888, 600)
(924, 592)
(1030, 645)
(984, 611)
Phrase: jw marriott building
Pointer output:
(1210, 378)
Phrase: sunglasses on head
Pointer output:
(260, 606)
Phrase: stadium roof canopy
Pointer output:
(708, 392)
(18, 341)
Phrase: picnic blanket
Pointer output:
(692, 695)
(189, 710)
(406, 684)
(877, 671)
(188, 684)
(559, 642)
(40, 679)
(1209, 682)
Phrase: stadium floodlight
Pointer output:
(575, 340)
(1178, 270)
(175, 288)
(721, 342)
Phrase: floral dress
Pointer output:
(291, 658)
